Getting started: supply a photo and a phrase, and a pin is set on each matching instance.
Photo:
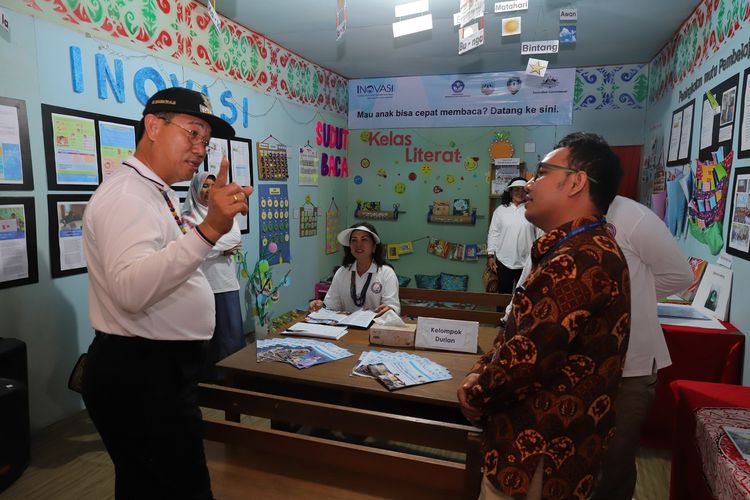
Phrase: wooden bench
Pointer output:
(488, 302)
(245, 459)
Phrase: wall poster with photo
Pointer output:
(717, 118)
(738, 233)
(681, 135)
(66, 233)
(18, 254)
(15, 153)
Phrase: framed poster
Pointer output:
(717, 118)
(273, 223)
(82, 149)
(744, 146)
(18, 255)
(681, 135)
(237, 151)
(66, 233)
(15, 151)
(70, 148)
(738, 232)
(116, 143)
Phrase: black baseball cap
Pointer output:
(188, 102)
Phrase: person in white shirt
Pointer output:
(149, 303)
(510, 237)
(221, 274)
(657, 269)
(365, 280)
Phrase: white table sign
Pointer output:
(447, 334)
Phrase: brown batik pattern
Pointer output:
(547, 387)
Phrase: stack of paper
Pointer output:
(325, 316)
(396, 370)
(300, 353)
(315, 330)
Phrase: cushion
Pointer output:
(455, 282)
(403, 280)
(427, 281)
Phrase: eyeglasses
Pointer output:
(549, 166)
(193, 136)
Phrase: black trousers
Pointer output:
(507, 278)
(142, 397)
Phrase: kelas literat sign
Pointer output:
(447, 334)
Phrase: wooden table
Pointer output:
(332, 382)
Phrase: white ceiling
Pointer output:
(609, 32)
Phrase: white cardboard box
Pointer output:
(447, 334)
(393, 336)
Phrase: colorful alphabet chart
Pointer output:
(274, 222)
(308, 220)
(273, 161)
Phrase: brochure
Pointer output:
(300, 353)
(741, 440)
(396, 370)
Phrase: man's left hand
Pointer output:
(471, 412)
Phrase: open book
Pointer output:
(357, 319)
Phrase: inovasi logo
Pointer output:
(375, 89)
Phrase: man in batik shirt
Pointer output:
(545, 393)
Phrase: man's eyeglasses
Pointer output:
(193, 136)
(549, 166)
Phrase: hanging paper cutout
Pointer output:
(332, 228)
(308, 219)
(274, 221)
(308, 165)
(273, 161)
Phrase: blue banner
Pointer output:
(476, 100)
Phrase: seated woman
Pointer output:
(365, 280)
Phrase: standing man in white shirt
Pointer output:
(657, 269)
(510, 236)
(151, 306)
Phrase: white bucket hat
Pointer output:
(517, 183)
(344, 235)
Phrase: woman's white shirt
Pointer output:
(383, 289)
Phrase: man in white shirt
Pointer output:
(151, 306)
(657, 269)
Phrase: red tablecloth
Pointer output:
(687, 481)
(697, 354)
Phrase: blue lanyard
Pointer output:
(575, 232)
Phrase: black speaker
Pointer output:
(15, 437)
(15, 443)
(13, 360)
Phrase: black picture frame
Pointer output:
(718, 93)
(681, 160)
(738, 228)
(743, 150)
(31, 244)
(49, 145)
(27, 181)
(115, 120)
(75, 224)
